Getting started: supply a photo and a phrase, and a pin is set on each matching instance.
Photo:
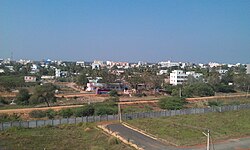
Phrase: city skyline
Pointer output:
(151, 31)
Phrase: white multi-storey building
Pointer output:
(168, 64)
(178, 77)
(248, 68)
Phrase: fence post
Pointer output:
(87, 119)
(52, 122)
(67, 120)
(82, 118)
(60, 121)
(43, 122)
(2, 125)
(36, 123)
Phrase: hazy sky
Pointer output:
(126, 30)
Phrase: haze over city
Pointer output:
(152, 31)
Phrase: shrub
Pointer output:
(104, 110)
(37, 114)
(172, 103)
(113, 93)
(84, 111)
(198, 89)
(215, 103)
(23, 97)
(112, 99)
(65, 113)
(113, 140)
(51, 113)
(3, 101)
(8, 118)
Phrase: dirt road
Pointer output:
(27, 110)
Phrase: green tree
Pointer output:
(172, 103)
(82, 79)
(23, 97)
(197, 89)
(43, 93)
(242, 81)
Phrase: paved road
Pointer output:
(150, 144)
(139, 139)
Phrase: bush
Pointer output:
(112, 99)
(113, 141)
(3, 101)
(172, 103)
(37, 114)
(9, 118)
(215, 103)
(225, 88)
(198, 89)
(104, 110)
(84, 111)
(65, 113)
(23, 97)
(113, 93)
(51, 113)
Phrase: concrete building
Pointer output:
(29, 78)
(178, 77)
(248, 68)
(80, 63)
(168, 64)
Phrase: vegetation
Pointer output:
(23, 97)
(172, 103)
(82, 136)
(43, 93)
(41, 114)
(113, 93)
(187, 130)
(197, 89)
(9, 118)
(106, 108)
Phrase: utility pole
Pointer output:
(180, 92)
(247, 91)
(207, 135)
(119, 112)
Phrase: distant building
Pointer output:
(222, 71)
(169, 64)
(248, 68)
(142, 63)
(195, 75)
(80, 63)
(118, 64)
(1, 70)
(29, 78)
(213, 64)
(47, 77)
(161, 72)
(177, 77)
(58, 73)
(97, 64)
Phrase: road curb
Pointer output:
(148, 134)
(115, 134)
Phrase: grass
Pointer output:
(81, 136)
(5, 107)
(187, 129)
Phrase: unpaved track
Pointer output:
(27, 110)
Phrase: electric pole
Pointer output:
(207, 135)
